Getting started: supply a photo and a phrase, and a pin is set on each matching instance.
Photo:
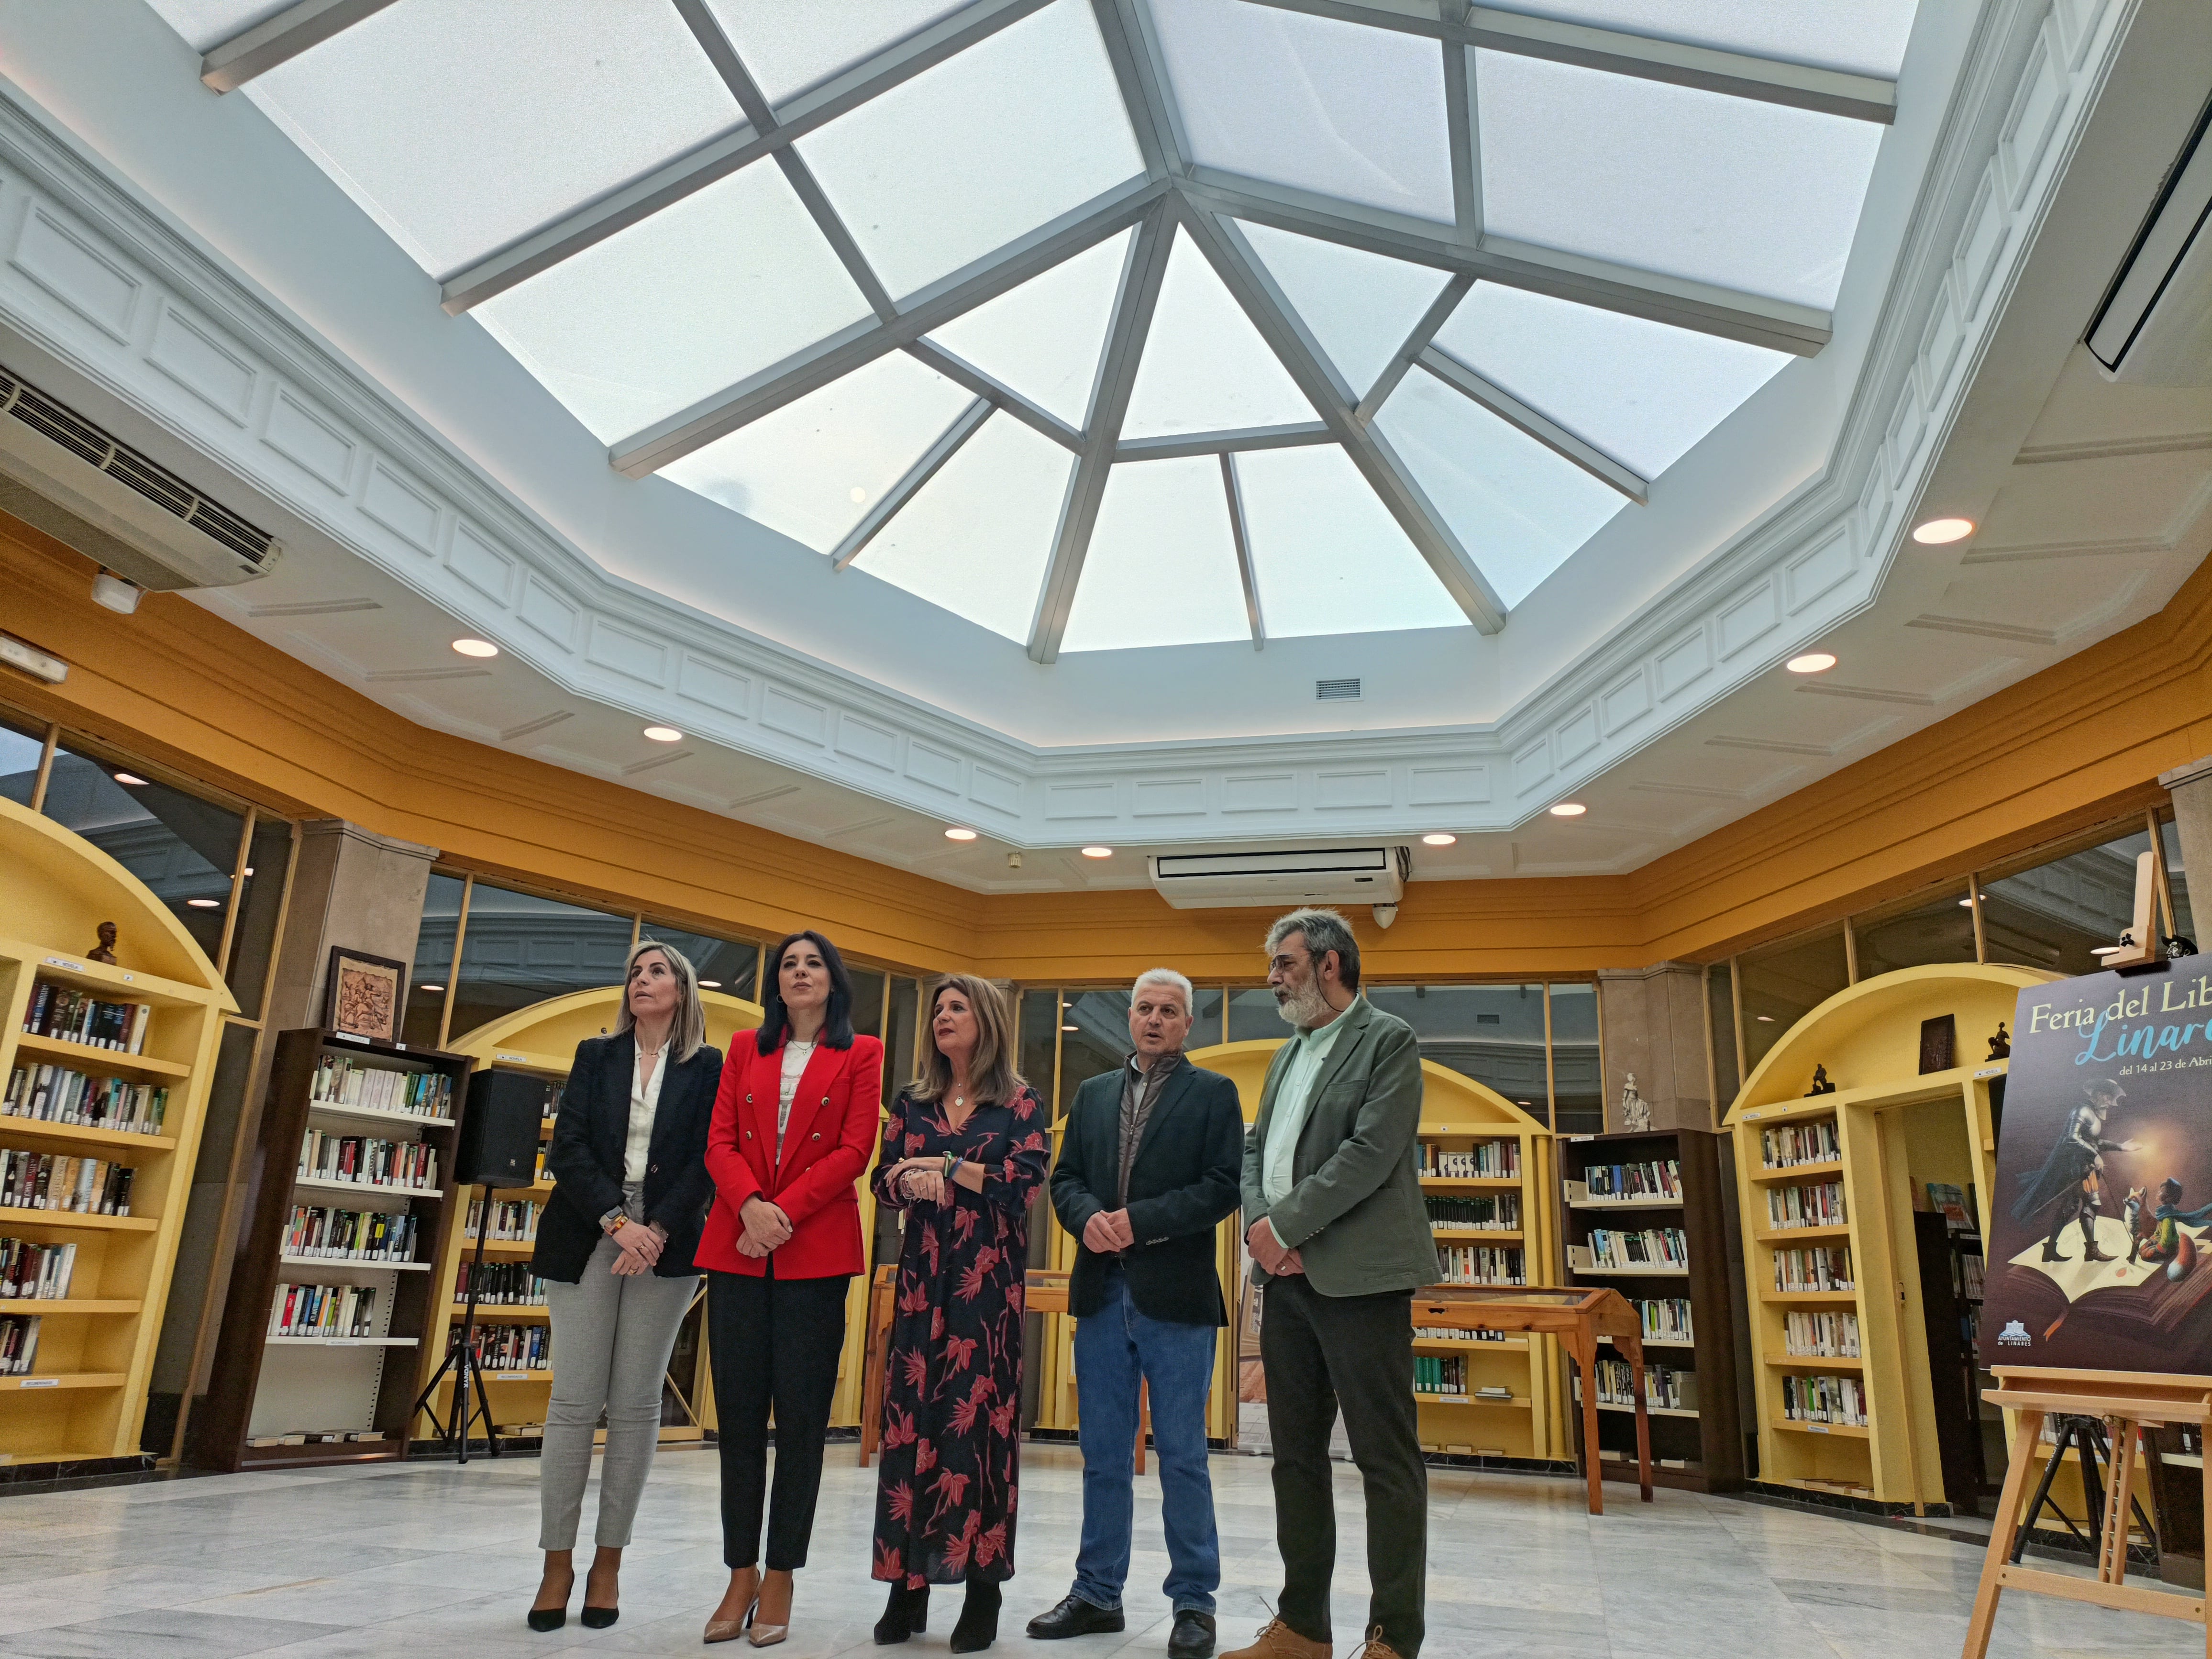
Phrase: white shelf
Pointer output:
(1652, 1342)
(1650, 1411)
(380, 1114)
(353, 1261)
(365, 1188)
(1683, 1272)
(341, 1341)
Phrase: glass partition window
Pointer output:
(1720, 1002)
(434, 959)
(727, 966)
(183, 848)
(2054, 915)
(1577, 1074)
(1039, 1062)
(260, 903)
(901, 1058)
(19, 750)
(518, 949)
(2176, 878)
(1940, 929)
(867, 1001)
(1782, 985)
(1252, 1017)
(1492, 1033)
(1094, 1038)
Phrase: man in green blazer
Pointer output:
(1340, 1240)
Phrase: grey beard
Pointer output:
(1304, 1008)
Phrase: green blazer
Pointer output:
(1355, 1212)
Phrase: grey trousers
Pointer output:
(612, 1340)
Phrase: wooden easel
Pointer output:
(2126, 1401)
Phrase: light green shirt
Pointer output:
(1293, 1105)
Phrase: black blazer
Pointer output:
(585, 1160)
(1182, 1183)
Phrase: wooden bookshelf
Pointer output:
(85, 1396)
(1894, 1128)
(311, 1399)
(1699, 1444)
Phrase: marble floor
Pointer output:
(426, 1560)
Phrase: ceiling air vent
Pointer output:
(83, 485)
(1336, 691)
(1333, 875)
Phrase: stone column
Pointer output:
(2191, 788)
(1653, 1024)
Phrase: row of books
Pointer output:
(1664, 1387)
(1453, 1333)
(1821, 1336)
(1798, 1271)
(1439, 1373)
(1653, 1178)
(366, 1160)
(1485, 1160)
(341, 1080)
(56, 1094)
(1787, 1145)
(513, 1220)
(324, 1310)
(350, 1235)
(62, 1181)
(1816, 1204)
(40, 1271)
(75, 1016)
(1645, 1247)
(1481, 1264)
(19, 1343)
(1493, 1212)
(1666, 1318)
(508, 1284)
(1969, 1275)
(1824, 1398)
(508, 1347)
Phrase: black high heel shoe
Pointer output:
(907, 1614)
(545, 1619)
(978, 1626)
(599, 1617)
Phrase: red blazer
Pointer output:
(831, 1137)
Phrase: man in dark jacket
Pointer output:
(1148, 1167)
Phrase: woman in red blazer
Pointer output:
(795, 1123)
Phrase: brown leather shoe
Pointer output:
(1377, 1648)
(1279, 1641)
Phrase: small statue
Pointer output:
(1821, 1083)
(2001, 1044)
(104, 951)
(1635, 1110)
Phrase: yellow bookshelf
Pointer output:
(85, 1396)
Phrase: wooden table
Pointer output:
(1046, 1291)
(1578, 1316)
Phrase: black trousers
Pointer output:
(773, 1343)
(1356, 1351)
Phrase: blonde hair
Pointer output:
(992, 1078)
(687, 1032)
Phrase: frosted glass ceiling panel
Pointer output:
(792, 45)
(988, 146)
(1359, 306)
(1864, 37)
(678, 307)
(208, 23)
(459, 125)
(1327, 556)
(1641, 392)
(975, 540)
(1162, 569)
(1341, 108)
(811, 469)
(1749, 195)
(1205, 367)
(1518, 508)
(1045, 338)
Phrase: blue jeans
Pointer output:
(1113, 1348)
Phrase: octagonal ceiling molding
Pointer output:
(115, 291)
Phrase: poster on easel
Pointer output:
(2101, 1246)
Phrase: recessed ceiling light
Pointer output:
(1569, 809)
(664, 734)
(957, 832)
(859, 494)
(476, 648)
(1098, 852)
(430, 988)
(1766, 1019)
(1813, 662)
(1438, 840)
(1966, 903)
(1936, 531)
(131, 778)
(2108, 950)
(205, 904)
(710, 985)
(1071, 1028)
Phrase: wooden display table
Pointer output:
(1579, 1317)
(2127, 1402)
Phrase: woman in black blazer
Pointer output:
(615, 1246)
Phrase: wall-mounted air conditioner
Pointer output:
(1336, 875)
(2156, 327)
(83, 485)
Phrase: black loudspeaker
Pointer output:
(498, 1131)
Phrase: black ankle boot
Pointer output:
(979, 1618)
(907, 1614)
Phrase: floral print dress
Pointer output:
(951, 1445)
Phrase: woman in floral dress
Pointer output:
(964, 1153)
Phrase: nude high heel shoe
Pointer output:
(766, 1635)
(729, 1630)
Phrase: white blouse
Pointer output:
(644, 1104)
(795, 1056)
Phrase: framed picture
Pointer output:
(1939, 1044)
(362, 995)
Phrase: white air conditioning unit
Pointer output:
(1335, 875)
(84, 486)
(2155, 328)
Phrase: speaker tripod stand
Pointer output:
(453, 1431)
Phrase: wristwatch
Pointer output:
(611, 1222)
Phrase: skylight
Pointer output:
(1117, 324)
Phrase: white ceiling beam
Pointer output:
(849, 349)
(1241, 440)
(717, 159)
(964, 425)
(965, 375)
(1617, 51)
(1545, 430)
(278, 40)
(1465, 137)
(1125, 27)
(1247, 279)
(1233, 487)
(1438, 313)
(1777, 324)
(1142, 273)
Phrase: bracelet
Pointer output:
(952, 1163)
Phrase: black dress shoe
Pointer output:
(1192, 1636)
(978, 1625)
(599, 1617)
(907, 1614)
(545, 1618)
(1077, 1616)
